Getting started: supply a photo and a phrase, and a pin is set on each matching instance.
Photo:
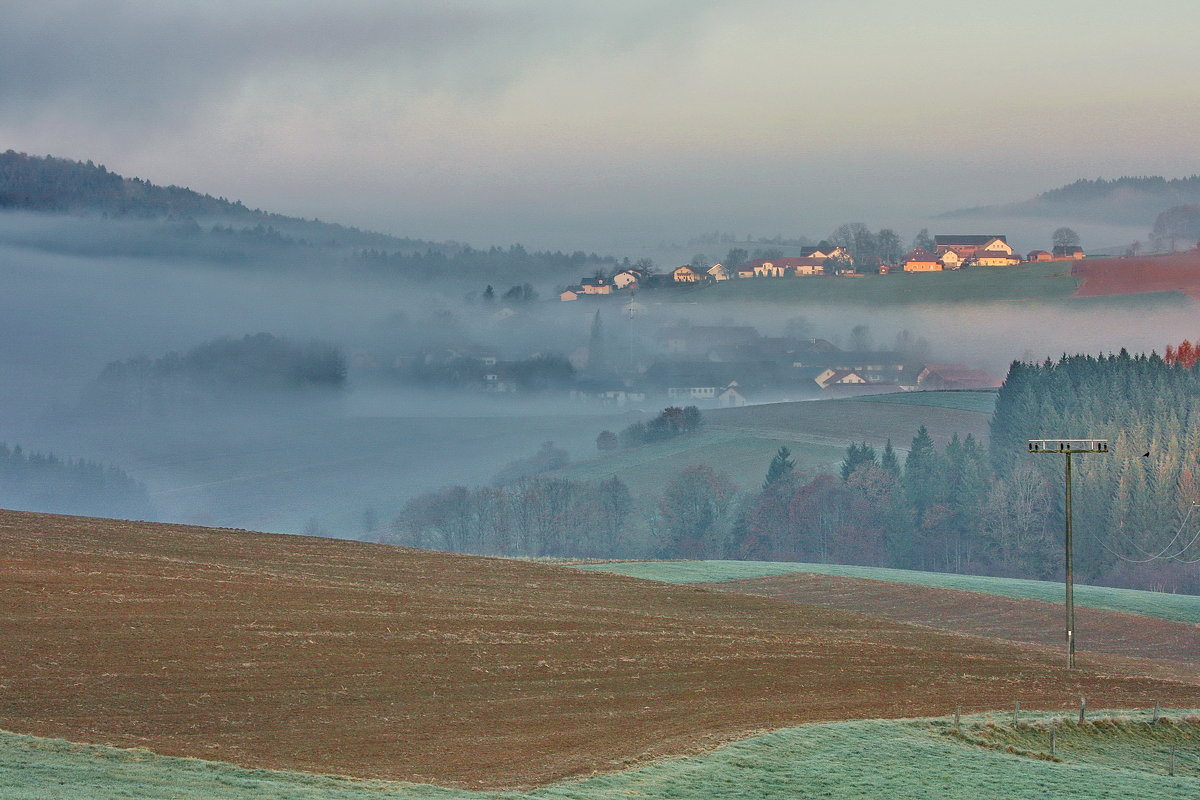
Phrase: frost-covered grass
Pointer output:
(1176, 607)
(862, 759)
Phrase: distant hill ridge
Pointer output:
(59, 185)
(1124, 200)
(1173, 190)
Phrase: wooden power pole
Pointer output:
(1068, 447)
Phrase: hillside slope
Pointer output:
(334, 656)
(741, 441)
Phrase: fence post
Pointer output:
(957, 714)
(1016, 712)
(1082, 710)
(1053, 748)
(1157, 711)
(1171, 771)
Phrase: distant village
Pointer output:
(950, 252)
(709, 366)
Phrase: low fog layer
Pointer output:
(275, 461)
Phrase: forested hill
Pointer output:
(1173, 191)
(1125, 200)
(91, 212)
(60, 185)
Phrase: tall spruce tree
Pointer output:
(780, 467)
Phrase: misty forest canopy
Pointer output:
(222, 369)
(36, 482)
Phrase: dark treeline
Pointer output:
(538, 517)
(61, 185)
(515, 264)
(223, 369)
(1186, 189)
(671, 422)
(36, 482)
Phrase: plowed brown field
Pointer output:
(1116, 276)
(336, 656)
(1175, 644)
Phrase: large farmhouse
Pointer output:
(970, 246)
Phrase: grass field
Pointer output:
(324, 655)
(982, 401)
(1175, 607)
(1110, 758)
(1047, 284)
(1048, 281)
(741, 441)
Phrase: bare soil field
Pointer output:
(1117, 276)
(1176, 644)
(334, 656)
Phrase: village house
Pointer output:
(1038, 255)
(969, 246)
(991, 258)
(596, 286)
(823, 253)
(719, 272)
(874, 367)
(567, 295)
(954, 376)
(922, 261)
(839, 377)
(627, 278)
(951, 260)
(786, 267)
(687, 274)
(731, 397)
(1067, 253)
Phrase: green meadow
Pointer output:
(1175, 607)
(741, 441)
(1114, 757)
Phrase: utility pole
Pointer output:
(1068, 447)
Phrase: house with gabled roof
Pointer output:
(1038, 255)
(922, 261)
(1067, 253)
(596, 286)
(719, 272)
(788, 267)
(951, 260)
(955, 376)
(992, 258)
(836, 251)
(628, 277)
(567, 295)
(687, 274)
(968, 246)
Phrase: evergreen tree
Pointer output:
(923, 475)
(856, 456)
(781, 466)
(889, 460)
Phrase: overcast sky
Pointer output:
(551, 122)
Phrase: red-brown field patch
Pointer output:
(1116, 276)
(336, 656)
(1177, 644)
